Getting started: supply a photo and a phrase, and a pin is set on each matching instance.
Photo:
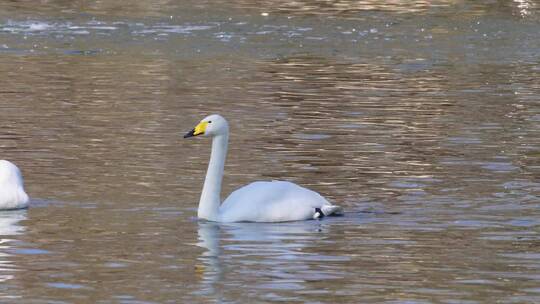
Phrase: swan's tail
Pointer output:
(331, 210)
(327, 210)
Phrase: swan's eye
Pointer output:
(209, 121)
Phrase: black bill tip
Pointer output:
(190, 134)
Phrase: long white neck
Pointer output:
(211, 193)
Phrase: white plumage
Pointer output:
(275, 201)
(12, 194)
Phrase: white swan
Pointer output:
(12, 195)
(274, 201)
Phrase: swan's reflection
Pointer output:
(9, 226)
(210, 266)
(265, 256)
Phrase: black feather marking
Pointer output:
(318, 213)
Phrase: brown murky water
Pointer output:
(421, 118)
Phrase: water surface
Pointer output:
(421, 119)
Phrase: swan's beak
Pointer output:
(190, 134)
(199, 130)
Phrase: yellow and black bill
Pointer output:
(198, 130)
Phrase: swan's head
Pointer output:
(212, 125)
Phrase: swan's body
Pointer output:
(12, 195)
(274, 201)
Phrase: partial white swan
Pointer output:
(274, 201)
(12, 195)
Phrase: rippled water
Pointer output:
(421, 118)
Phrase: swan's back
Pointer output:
(12, 195)
(274, 201)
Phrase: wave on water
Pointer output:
(35, 27)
